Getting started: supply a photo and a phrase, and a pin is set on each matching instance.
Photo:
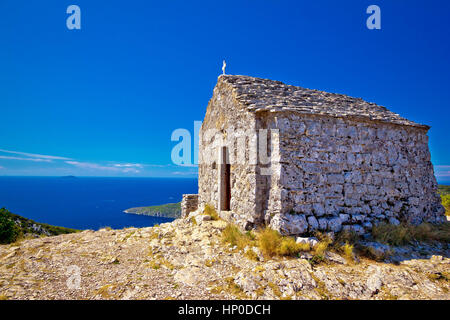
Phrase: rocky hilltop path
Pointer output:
(182, 260)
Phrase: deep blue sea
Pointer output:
(90, 203)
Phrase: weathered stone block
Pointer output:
(289, 224)
(313, 223)
(334, 224)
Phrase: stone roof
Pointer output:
(268, 95)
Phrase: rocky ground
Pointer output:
(183, 260)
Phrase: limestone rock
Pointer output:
(333, 257)
(374, 282)
(312, 241)
(189, 276)
(289, 224)
(394, 221)
(248, 281)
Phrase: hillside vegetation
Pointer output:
(444, 191)
(14, 227)
(170, 210)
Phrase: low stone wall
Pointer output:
(188, 204)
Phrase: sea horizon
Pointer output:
(90, 202)
(121, 177)
(441, 182)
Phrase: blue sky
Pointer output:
(104, 100)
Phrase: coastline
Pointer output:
(169, 210)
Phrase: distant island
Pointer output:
(170, 210)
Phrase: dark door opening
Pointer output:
(227, 187)
(225, 181)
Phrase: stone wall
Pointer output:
(335, 162)
(344, 174)
(224, 125)
(188, 204)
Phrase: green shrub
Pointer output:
(22, 226)
(9, 232)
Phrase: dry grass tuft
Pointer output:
(269, 241)
(250, 254)
(347, 250)
(272, 243)
(233, 236)
(405, 233)
(275, 289)
(322, 247)
(233, 288)
(211, 211)
(347, 236)
(431, 232)
(288, 247)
